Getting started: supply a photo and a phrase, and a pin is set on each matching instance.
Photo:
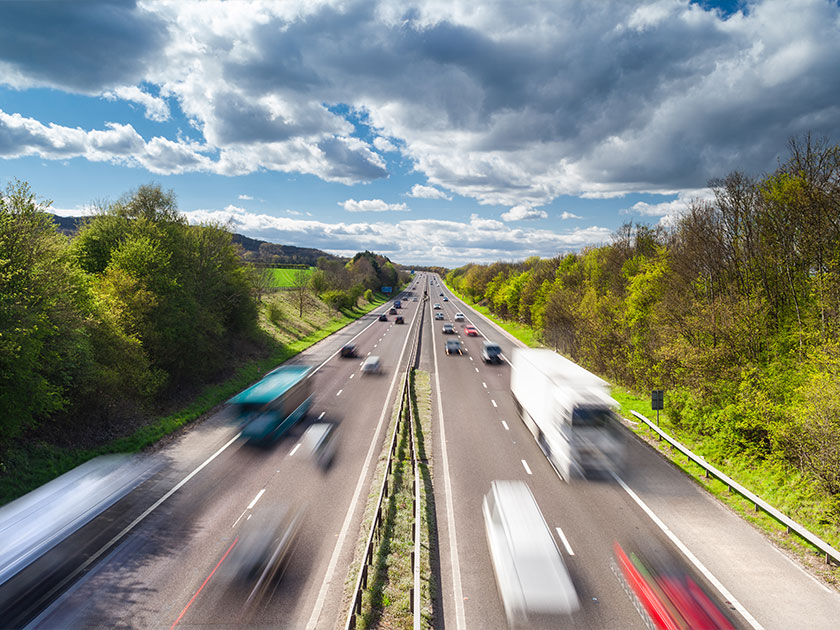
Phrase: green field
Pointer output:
(281, 278)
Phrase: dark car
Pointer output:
(448, 329)
(393, 311)
(399, 320)
(348, 351)
(491, 352)
(453, 346)
(383, 318)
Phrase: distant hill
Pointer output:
(253, 250)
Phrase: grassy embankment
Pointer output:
(282, 335)
(782, 486)
(385, 602)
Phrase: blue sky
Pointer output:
(433, 132)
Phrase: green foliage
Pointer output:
(735, 311)
(368, 295)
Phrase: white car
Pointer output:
(530, 572)
(371, 365)
(437, 306)
(459, 317)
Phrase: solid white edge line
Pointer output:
(342, 536)
(527, 468)
(505, 425)
(294, 450)
(460, 617)
(565, 541)
(240, 518)
(690, 556)
(256, 498)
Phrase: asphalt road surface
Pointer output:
(157, 558)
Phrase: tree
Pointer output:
(300, 285)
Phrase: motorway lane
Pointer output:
(155, 572)
(591, 514)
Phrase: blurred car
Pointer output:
(399, 320)
(445, 299)
(264, 546)
(438, 315)
(383, 318)
(441, 294)
(437, 306)
(532, 578)
(470, 331)
(453, 346)
(448, 329)
(320, 443)
(371, 365)
(491, 352)
(665, 595)
(348, 351)
(414, 299)
(459, 317)
(392, 311)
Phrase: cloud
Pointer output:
(157, 109)
(504, 105)
(569, 215)
(372, 205)
(669, 210)
(428, 192)
(523, 213)
(384, 145)
(421, 241)
(246, 197)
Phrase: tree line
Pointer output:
(135, 307)
(734, 309)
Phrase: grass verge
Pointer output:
(25, 465)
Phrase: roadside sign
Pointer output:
(387, 289)
(657, 399)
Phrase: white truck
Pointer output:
(570, 412)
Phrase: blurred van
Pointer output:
(533, 581)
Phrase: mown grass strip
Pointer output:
(282, 278)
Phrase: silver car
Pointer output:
(531, 575)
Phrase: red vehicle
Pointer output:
(470, 331)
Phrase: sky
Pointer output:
(432, 131)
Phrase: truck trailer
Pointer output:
(569, 411)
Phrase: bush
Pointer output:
(337, 299)
(369, 295)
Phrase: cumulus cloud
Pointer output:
(422, 241)
(523, 213)
(157, 109)
(384, 145)
(508, 106)
(671, 209)
(428, 192)
(569, 215)
(372, 205)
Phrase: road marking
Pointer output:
(322, 415)
(352, 375)
(376, 344)
(256, 498)
(470, 358)
(294, 450)
(483, 383)
(329, 358)
(690, 556)
(458, 594)
(494, 403)
(527, 468)
(338, 393)
(504, 424)
(244, 512)
(375, 445)
(565, 541)
(476, 370)
(218, 564)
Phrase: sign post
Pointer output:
(657, 402)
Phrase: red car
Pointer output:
(470, 331)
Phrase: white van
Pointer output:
(532, 578)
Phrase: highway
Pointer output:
(157, 558)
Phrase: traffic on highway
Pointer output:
(549, 512)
